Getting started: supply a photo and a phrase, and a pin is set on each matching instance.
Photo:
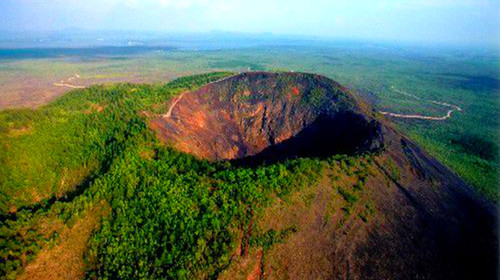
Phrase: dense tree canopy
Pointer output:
(173, 216)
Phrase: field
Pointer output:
(466, 142)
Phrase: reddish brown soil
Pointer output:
(256, 273)
(251, 113)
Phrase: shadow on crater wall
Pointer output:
(344, 133)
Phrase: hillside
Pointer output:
(251, 176)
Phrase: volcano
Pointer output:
(429, 223)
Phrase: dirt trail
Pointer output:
(66, 83)
(179, 98)
(176, 100)
(416, 116)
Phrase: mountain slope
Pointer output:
(317, 186)
(428, 223)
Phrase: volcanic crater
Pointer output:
(257, 117)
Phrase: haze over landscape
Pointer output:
(431, 21)
(218, 139)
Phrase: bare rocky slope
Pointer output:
(429, 224)
(286, 114)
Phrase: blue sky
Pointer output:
(442, 21)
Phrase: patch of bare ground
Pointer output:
(256, 273)
(16, 132)
(412, 219)
(309, 253)
(65, 260)
(248, 267)
(302, 256)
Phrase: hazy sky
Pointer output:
(454, 21)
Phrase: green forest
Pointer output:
(173, 216)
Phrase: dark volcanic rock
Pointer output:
(269, 116)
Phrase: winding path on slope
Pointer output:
(66, 83)
(416, 116)
(178, 98)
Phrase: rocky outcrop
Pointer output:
(268, 115)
